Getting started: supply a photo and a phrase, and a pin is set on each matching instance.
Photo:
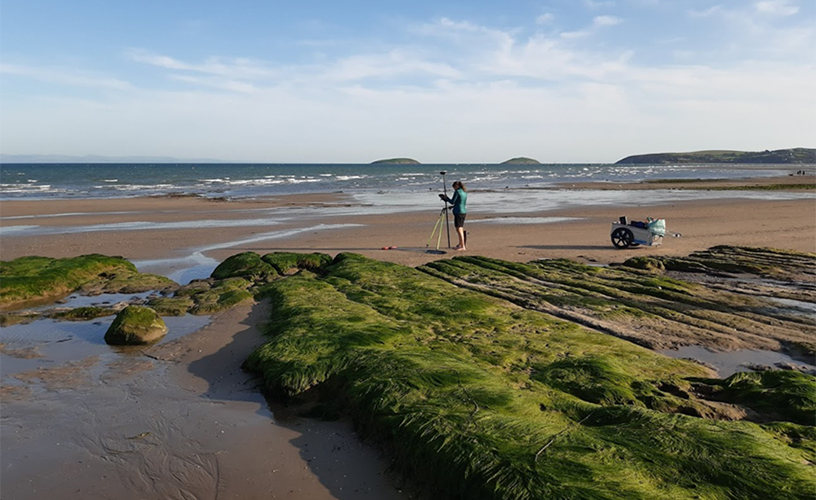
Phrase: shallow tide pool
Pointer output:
(728, 363)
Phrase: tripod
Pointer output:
(443, 216)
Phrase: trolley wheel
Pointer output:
(623, 238)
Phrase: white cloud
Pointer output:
(598, 5)
(64, 76)
(242, 68)
(392, 64)
(754, 31)
(464, 33)
(217, 83)
(776, 8)
(545, 18)
(711, 11)
(606, 21)
(575, 34)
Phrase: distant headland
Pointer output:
(521, 161)
(795, 156)
(396, 161)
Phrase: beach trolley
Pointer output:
(627, 234)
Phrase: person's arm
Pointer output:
(456, 198)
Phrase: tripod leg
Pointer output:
(436, 225)
(439, 237)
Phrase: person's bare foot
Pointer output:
(460, 249)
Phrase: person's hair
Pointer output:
(461, 186)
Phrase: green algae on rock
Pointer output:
(725, 260)
(288, 262)
(84, 313)
(222, 295)
(135, 325)
(171, 306)
(244, 265)
(641, 304)
(774, 394)
(42, 279)
(479, 397)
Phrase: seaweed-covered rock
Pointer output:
(171, 306)
(244, 265)
(136, 325)
(724, 260)
(84, 313)
(43, 279)
(648, 263)
(774, 394)
(287, 262)
(483, 398)
(222, 295)
(194, 287)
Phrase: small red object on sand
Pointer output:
(389, 248)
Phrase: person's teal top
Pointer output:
(459, 202)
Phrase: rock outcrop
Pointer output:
(136, 325)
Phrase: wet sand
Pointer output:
(177, 420)
(181, 420)
(789, 224)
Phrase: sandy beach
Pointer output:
(202, 430)
(521, 236)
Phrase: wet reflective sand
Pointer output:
(177, 420)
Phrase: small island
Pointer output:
(521, 160)
(396, 161)
(795, 156)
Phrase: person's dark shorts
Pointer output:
(459, 220)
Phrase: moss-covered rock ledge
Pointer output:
(480, 397)
(35, 279)
(30, 281)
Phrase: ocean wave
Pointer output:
(23, 188)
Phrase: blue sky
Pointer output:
(439, 81)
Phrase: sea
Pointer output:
(235, 181)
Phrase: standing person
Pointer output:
(459, 202)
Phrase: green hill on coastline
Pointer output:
(396, 161)
(794, 156)
(521, 160)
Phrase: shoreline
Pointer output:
(156, 228)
